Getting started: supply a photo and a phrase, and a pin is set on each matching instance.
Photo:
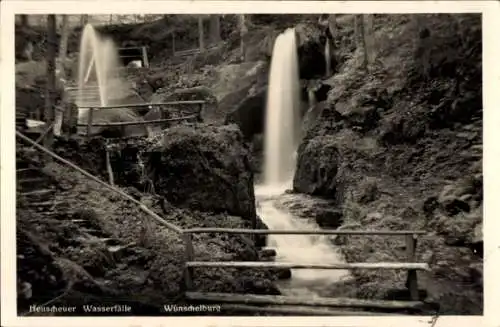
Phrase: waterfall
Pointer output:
(282, 128)
(98, 60)
(283, 132)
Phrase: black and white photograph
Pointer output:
(248, 164)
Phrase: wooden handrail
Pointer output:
(303, 232)
(128, 123)
(302, 300)
(106, 185)
(171, 103)
(286, 265)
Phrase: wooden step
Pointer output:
(38, 192)
(304, 301)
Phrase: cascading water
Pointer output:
(98, 61)
(282, 136)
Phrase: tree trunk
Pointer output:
(215, 28)
(51, 76)
(24, 20)
(84, 20)
(243, 33)
(201, 34)
(63, 46)
(369, 39)
(360, 32)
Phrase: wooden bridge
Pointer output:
(282, 304)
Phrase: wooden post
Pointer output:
(58, 121)
(108, 166)
(145, 57)
(412, 284)
(199, 117)
(188, 271)
(89, 122)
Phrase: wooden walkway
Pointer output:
(272, 303)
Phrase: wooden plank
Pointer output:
(297, 310)
(147, 122)
(356, 265)
(171, 103)
(89, 122)
(411, 243)
(302, 300)
(303, 232)
(141, 206)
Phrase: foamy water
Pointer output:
(282, 136)
(308, 249)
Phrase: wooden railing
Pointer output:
(409, 265)
(161, 105)
(193, 51)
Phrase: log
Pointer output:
(302, 232)
(302, 300)
(357, 265)
(306, 311)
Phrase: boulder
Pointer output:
(317, 167)
(205, 168)
(329, 219)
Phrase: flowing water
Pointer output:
(283, 133)
(97, 67)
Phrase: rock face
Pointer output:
(206, 168)
(317, 167)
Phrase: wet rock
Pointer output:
(283, 273)
(249, 113)
(329, 219)
(206, 168)
(267, 253)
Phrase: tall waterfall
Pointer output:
(282, 128)
(98, 61)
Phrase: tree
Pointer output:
(201, 33)
(243, 32)
(24, 20)
(369, 39)
(359, 36)
(51, 76)
(63, 45)
(215, 28)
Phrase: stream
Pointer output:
(306, 249)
